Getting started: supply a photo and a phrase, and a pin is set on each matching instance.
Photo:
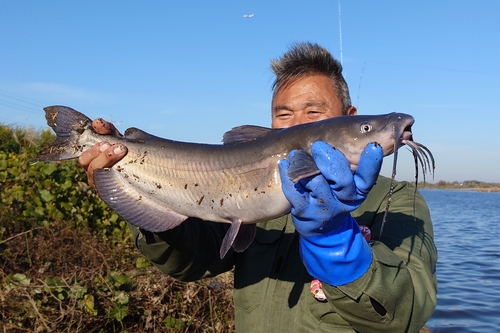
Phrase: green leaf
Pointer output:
(121, 282)
(118, 312)
(67, 206)
(49, 281)
(77, 290)
(62, 294)
(67, 184)
(21, 279)
(46, 195)
(88, 301)
(49, 168)
(118, 279)
(171, 322)
(142, 262)
(121, 297)
(40, 211)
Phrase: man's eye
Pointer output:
(313, 113)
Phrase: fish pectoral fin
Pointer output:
(229, 238)
(245, 237)
(143, 212)
(302, 166)
(239, 236)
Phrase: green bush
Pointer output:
(67, 263)
(39, 193)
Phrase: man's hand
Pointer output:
(103, 154)
(332, 247)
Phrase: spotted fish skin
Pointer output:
(160, 182)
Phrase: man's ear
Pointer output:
(352, 111)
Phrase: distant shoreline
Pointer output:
(467, 185)
(475, 189)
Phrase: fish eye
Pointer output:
(365, 128)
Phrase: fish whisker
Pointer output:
(423, 156)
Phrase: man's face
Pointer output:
(306, 100)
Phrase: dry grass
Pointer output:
(98, 288)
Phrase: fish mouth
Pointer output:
(406, 134)
(421, 154)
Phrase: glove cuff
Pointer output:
(338, 257)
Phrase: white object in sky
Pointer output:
(248, 15)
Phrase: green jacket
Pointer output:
(271, 285)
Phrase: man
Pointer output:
(380, 286)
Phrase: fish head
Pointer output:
(390, 131)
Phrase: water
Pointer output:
(467, 233)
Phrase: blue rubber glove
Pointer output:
(331, 244)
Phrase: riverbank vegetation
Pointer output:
(471, 185)
(67, 262)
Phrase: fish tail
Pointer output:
(68, 124)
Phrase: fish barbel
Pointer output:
(160, 182)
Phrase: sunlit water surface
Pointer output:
(467, 235)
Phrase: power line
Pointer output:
(11, 104)
(19, 107)
(19, 98)
(16, 102)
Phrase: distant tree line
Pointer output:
(467, 184)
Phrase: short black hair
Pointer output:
(304, 59)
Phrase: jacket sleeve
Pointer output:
(188, 252)
(398, 292)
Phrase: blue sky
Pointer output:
(191, 70)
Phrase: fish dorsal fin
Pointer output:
(133, 133)
(245, 133)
